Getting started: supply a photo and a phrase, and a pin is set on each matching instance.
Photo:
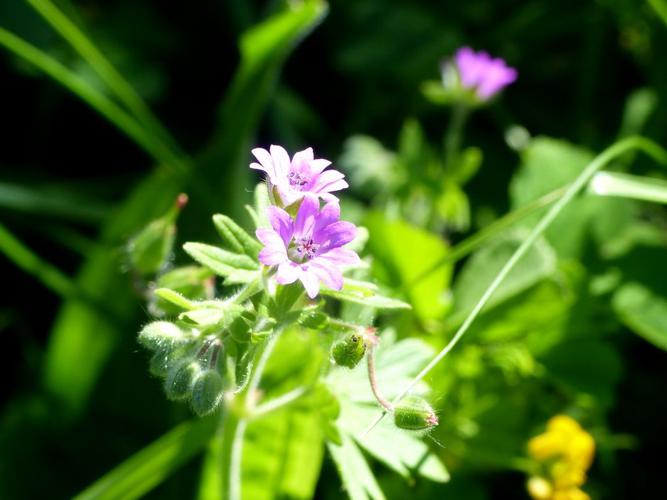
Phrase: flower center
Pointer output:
(306, 248)
(297, 180)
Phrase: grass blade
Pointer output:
(98, 101)
(106, 71)
(629, 186)
(146, 469)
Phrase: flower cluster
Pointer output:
(564, 452)
(309, 246)
(479, 73)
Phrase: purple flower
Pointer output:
(303, 174)
(479, 72)
(308, 248)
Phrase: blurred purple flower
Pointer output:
(480, 72)
(308, 248)
(303, 174)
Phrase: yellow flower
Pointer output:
(564, 452)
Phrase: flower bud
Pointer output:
(415, 414)
(349, 351)
(316, 320)
(206, 392)
(161, 335)
(180, 380)
(149, 249)
(161, 361)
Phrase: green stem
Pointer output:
(235, 420)
(454, 136)
(114, 80)
(98, 101)
(615, 150)
(279, 402)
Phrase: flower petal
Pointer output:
(306, 216)
(328, 215)
(281, 161)
(328, 273)
(274, 251)
(336, 235)
(288, 272)
(310, 281)
(340, 256)
(281, 223)
(265, 160)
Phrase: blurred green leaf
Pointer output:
(358, 479)
(643, 311)
(480, 270)
(143, 471)
(52, 202)
(405, 252)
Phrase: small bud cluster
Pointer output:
(188, 364)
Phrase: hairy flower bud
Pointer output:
(206, 392)
(161, 335)
(414, 413)
(180, 379)
(349, 350)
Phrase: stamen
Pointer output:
(297, 180)
(306, 248)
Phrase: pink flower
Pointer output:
(303, 174)
(479, 72)
(308, 248)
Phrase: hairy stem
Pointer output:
(237, 411)
(372, 378)
(615, 150)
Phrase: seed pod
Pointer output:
(414, 413)
(206, 392)
(180, 379)
(349, 351)
(161, 335)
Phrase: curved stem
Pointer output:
(615, 150)
(372, 378)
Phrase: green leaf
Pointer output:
(365, 296)
(629, 186)
(358, 479)
(480, 270)
(175, 298)
(643, 311)
(236, 268)
(404, 253)
(282, 456)
(143, 471)
(236, 236)
(213, 314)
(548, 164)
